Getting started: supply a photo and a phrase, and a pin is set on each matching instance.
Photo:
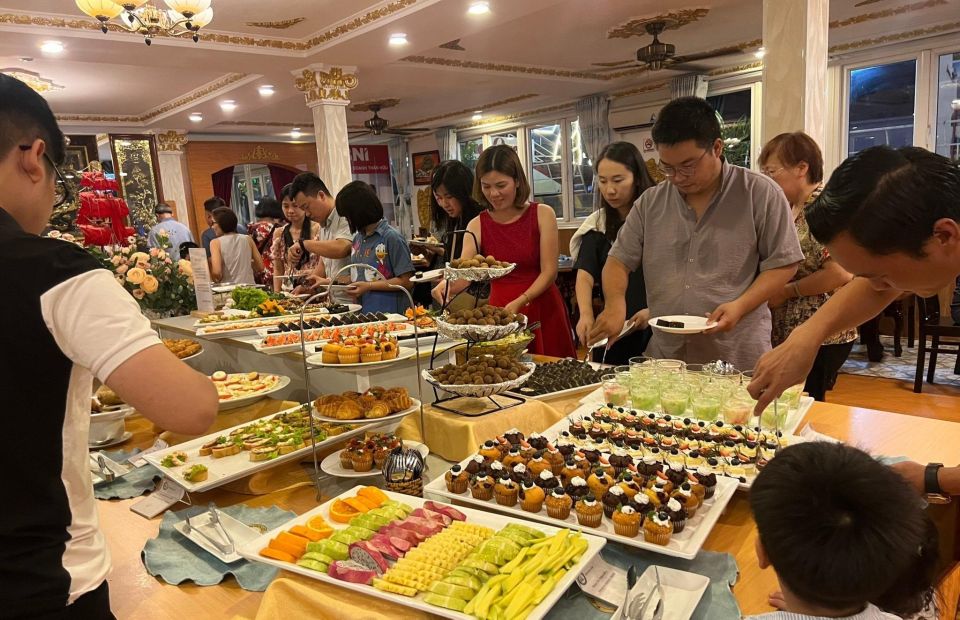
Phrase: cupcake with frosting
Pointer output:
(568, 472)
(599, 482)
(690, 502)
(678, 515)
(497, 470)
(642, 503)
(481, 487)
(676, 474)
(589, 511)
(612, 499)
(626, 521)
(476, 465)
(513, 457)
(558, 504)
(531, 497)
(620, 461)
(547, 481)
(555, 458)
(657, 529)
(489, 451)
(649, 465)
(537, 441)
(537, 464)
(506, 492)
(457, 479)
(577, 488)
(519, 473)
(629, 485)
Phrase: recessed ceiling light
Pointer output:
(228, 105)
(398, 38)
(51, 47)
(196, 117)
(760, 53)
(266, 90)
(479, 8)
(476, 116)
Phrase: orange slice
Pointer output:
(317, 523)
(306, 532)
(356, 504)
(342, 512)
(274, 554)
(374, 494)
(300, 542)
(277, 544)
(369, 503)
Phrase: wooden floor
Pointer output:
(936, 401)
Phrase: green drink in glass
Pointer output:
(645, 395)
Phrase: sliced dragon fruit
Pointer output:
(390, 546)
(350, 571)
(421, 527)
(425, 513)
(395, 531)
(367, 556)
(450, 511)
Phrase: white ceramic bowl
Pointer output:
(108, 425)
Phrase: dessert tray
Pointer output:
(273, 343)
(224, 469)
(356, 572)
(479, 332)
(392, 417)
(476, 274)
(478, 390)
(403, 353)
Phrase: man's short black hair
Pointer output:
(308, 183)
(887, 199)
(26, 116)
(213, 203)
(687, 118)
(842, 529)
(162, 208)
(359, 205)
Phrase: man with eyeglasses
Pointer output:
(67, 321)
(716, 240)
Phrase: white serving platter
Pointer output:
(236, 403)
(685, 545)
(230, 468)
(413, 408)
(692, 324)
(403, 353)
(682, 592)
(497, 522)
(238, 531)
(295, 346)
(204, 329)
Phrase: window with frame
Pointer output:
(735, 113)
(468, 151)
(546, 165)
(948, 106)
(881, 105)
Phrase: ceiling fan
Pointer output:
(377, 125)
(659, 55)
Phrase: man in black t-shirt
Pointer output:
(65, 321)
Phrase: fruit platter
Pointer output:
(477, 269)
(734, 451)
(242, 450)
(425, 555)
(656, 505)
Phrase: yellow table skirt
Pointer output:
(294, 596)
(454, 437)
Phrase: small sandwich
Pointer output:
(226, 449)
(174, 459)
(195, 473)
(255, 442)
(207, 448)
(263, 454)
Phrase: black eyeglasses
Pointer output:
(685, 171)
(61, 190)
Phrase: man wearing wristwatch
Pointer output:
(311, 194)
(892, 218)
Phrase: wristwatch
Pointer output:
(931, 484)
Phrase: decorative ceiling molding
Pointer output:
(319, 86)
(34, 80)
(894, 38)
(344, 28)
(259, 153)
(365, 106)
(165, 108)
(636, 27)
(639, 90)
(736, 68)
(487, 106)
(519, 115)
(502, 67)
(171, 141)
(891, 12)
(263, 124)
(278, 25)
(453, 45)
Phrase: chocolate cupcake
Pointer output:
(612, 499)
(649, 466)
(592, 456)
(620, 461)
(546, 480)
(476, 466)
(514, 437)
(641, 503)
(677, 514)
(577, 488)
(676, 474)
(497, 470)
(566, 448)
(517, 473)
(537, 441)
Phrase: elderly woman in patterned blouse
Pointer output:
(795, 162)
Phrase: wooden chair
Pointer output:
(934, 326)
(870, 331)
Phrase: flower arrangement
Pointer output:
(159, 283)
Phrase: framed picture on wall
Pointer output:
(76, 158)
(423, 165)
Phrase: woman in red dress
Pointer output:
(517, 231)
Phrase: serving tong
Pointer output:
(226, 548)
(636, 606)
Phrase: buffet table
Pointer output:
(135, 594)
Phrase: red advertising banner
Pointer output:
(370, 159)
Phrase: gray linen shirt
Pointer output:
(334, 228)
(869, 613)
(692, 267)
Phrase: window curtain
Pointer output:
(223, 184)
(688, 86)
(400, 166)
(594, 113)
(446, 143)
(280, 176)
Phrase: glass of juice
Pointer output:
(645, 393)
(614, 392)
(738, 408)
(674, 397)
(705, 403)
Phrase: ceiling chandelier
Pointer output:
(182, 18)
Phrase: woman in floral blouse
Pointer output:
(269, 219)
(795, 162)
(300, 227)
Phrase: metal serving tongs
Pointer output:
(101, 468)
(224, 548)
(603, 343)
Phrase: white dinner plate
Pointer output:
(113, 442)
(235, 403)
(428, 276)
(692, 324)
